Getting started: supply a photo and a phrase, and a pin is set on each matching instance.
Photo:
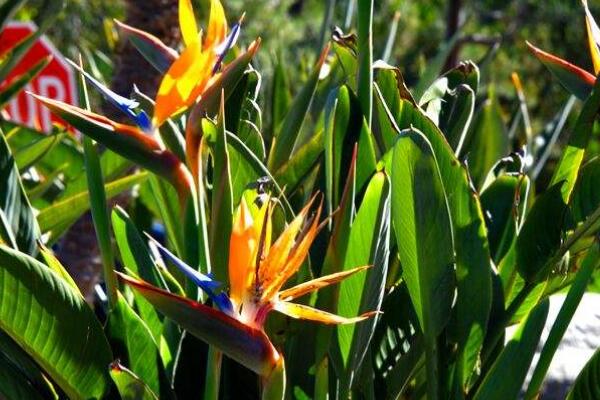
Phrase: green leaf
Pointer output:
(572, 157)
(19, 364)
(471, 247)
(434, 67)
(13, 385)
(368, 244)
(222, 203)
(397, 344)
(130, 387)
(560, 324)
(136, 259)
(285, 139)
(344, 127)
(504, 204)
(294, 170)
(37, 308)
(128, 332)
(541, 235)
(30, 155)
(458, 103)
(586, 385)
(21, 81)
(8, 9)
(487, 140)
(586, 195)
(422, 222)
(280, 95)
(506, 376)
(365, 58)
(18, 226)
(60, 215)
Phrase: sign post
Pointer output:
(56, 80)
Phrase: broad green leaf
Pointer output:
(506, 376)
(131, 335)
(36, 309)
(368, 244)
(30, 155)
(18, 226)
(54, 264)
(285, 139)
(13, 385)
(20, 364)
(472, 252)
(344, 127)
(458, 103)
(136, 259)
(293, 171)
(434, 67)
(572, 157)
(18, 83)
(586, 385)
(169, 210)
(541, 235)
(576, 80)
(586, 195)
(397, 344)
(60, 215)
(130, 386)
(422, 222)
(487, 140)
(280, 94)
(504, 204)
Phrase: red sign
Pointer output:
(56, 80)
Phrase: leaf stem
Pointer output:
(365, 57)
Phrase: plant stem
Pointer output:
(327, 20)
(213, 374)
(99, 207)
(365, 57)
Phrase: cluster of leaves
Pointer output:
(427, 185)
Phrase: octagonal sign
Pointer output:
(56, 80)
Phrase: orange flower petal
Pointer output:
(217, 25)
(300, 311)
(187, 22)
(315, 284)
(243, 246)
(177, 90)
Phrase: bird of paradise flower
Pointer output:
(258, 270)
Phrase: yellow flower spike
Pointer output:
(217, 26)
(593, 34)
(177, 90)
(187, 23)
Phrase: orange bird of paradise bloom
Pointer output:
(258, 270)
(198, 64)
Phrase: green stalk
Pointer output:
(591, 261)
(327, 20)
(99, 208)
(213, 374)
(349, 13)
(389, 44)
(365, 57)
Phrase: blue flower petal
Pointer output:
(227, 44)
(204, 282)
(223, 303)
(122, 103)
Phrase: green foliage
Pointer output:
(462, 225)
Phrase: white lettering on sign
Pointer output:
(53, 88)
